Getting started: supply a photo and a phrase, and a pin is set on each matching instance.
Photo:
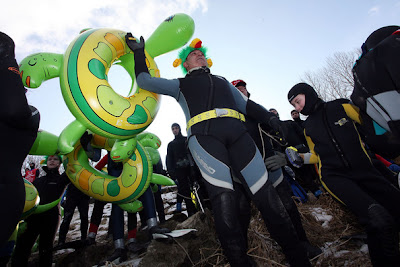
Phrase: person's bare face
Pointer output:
(295, 115)
(243, 89)
(53, 162)
(298, 102)
(175, 130)
(195, 59)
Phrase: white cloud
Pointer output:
(50, 25)
(374, 10)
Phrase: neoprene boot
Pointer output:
(383, 238)
(233, 242)
(280, 225)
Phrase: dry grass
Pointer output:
(337, 251)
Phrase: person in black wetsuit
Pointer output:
(306, 175)
(19, 124)
(218, 141)
(347, 172)
(274, 164)
(178, 167)
(50, 188)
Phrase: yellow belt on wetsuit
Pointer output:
(215, 113)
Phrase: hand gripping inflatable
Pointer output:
(124, 190)
(83, 73)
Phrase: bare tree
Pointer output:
(335, 80)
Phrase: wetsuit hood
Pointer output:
(312, 101)
(377, 36)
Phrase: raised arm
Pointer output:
(143, 78)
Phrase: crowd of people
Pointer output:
(240, 153)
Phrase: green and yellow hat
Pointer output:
(196, 44)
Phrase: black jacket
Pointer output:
(51, 186)
(177, 155)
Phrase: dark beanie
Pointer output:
(377, 36)
(311, 97)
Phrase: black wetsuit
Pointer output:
(282, 186)
(18, 126)
(50, 187)
(348, 174)
(178, 167)
(219, 144)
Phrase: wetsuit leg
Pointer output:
(284, 192)
(244, 210)
(48, 230)
(159, 205)
(25, 242)
(367, 196)
(117, 215)
(213, 163)
(182, 175)
(253, 175)
(149, 206)
(97, 214)
(69, 208)
(83, 208)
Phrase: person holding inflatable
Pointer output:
(347, 172)
(19, 123)
(218, 141)
(50, 188)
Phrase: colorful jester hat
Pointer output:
(184, 52)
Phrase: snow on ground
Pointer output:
(321, 215)
(169, 199)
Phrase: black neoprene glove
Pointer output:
(133, 44)
(275, 124)
(7, 47)
(139, 55)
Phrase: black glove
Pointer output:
(275, 124)
(139, 55)
(275, 162)
(7, 47)
(294, 157)
(132, 42)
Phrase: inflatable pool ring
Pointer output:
(83, 73)
(124, 190)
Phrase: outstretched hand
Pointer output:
(275, 162)
(132, 42)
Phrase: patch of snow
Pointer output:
(322, 216)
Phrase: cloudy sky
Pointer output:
(269, 44)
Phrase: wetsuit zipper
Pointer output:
(335, 143)
(210, 101)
